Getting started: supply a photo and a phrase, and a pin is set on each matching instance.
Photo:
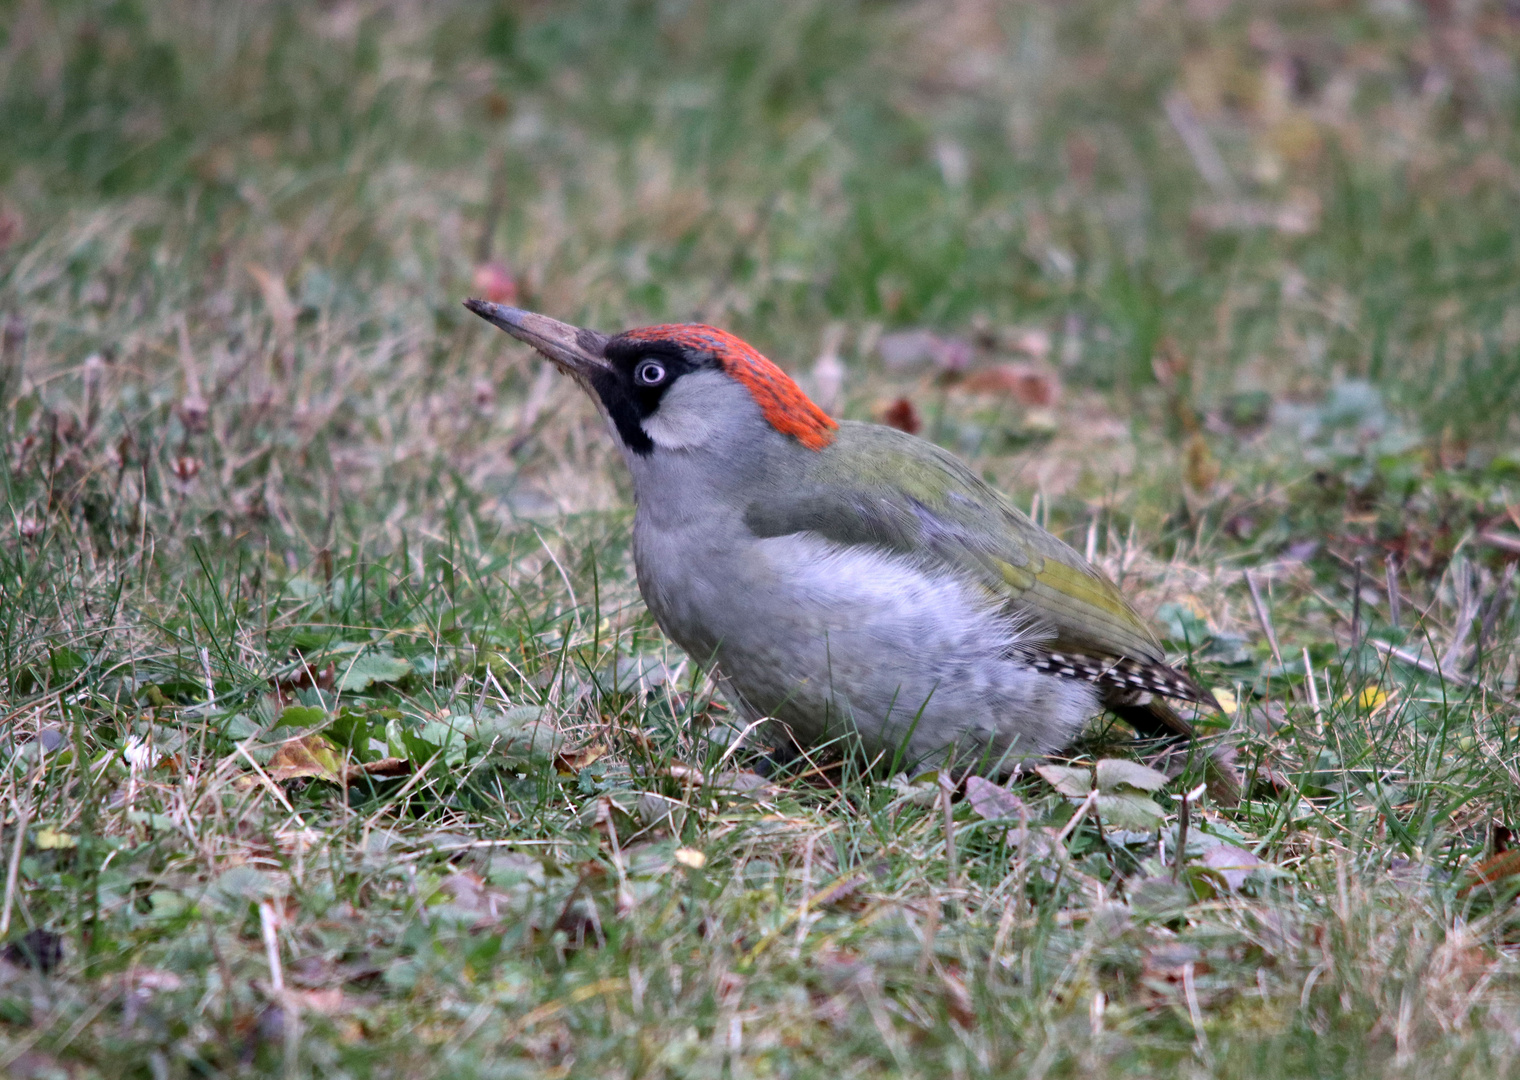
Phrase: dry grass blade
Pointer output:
(336, 736)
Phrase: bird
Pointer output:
(848, 580)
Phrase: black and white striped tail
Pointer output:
(1123, 674)
(1127, 688)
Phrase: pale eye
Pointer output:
(649, 373)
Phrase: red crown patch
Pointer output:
(781, 400)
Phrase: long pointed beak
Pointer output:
(573, 349)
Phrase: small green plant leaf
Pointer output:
(1182, 625)
(370, 668)
(1073, 783)
(300, 716)
(1115, 774)
(1130, 810)
(519, 734)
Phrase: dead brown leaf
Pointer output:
(1232, 864)
(470, 892)
(306, 676)
(1163, 967)
(1031, 385)
(990, 801)
(282, 310)
(1202, 468)
(958, 998)
(573, 761)
(838, 891)
(1493, 869)
(307, 756)
(312, 756)
(494, 281)
(734, 780)
(326, 1002)
(902, 415)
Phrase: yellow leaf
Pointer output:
(1370, 698)
(52, 839)
(1226, 699)
(573, 761)
(282, 310)
(310, 755)
(1201, 470)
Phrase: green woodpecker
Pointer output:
(848, 579)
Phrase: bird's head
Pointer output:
(672, 387)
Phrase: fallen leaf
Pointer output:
(390, 766)
(902, 415)
(372, 667)
(958, 999)
(838, 890)
(326, 1002)
(739, 781)
(1297, 217)
(908, 350)
(1370, 698)
(313, 756)
(139, 753)
(305, 676)
(494, 281)
(1165, 962)
(1232, 864)
(308, 756)
(1129, 810)
(1495, 868)
(573, 761)
(919, 791)
(468, 891)
(276, 299)
(991, 801)
(156, 981)
(1073, 783)
(1202, 469)
(1032, 843)
(1033, 342)
(1115, 773)
(1032, 385)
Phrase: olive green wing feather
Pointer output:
(879, 488)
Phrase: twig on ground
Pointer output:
(13, 867)
(1356, 607)
(1465, 585)
(1416, 661)
(1313, 688)
(1263, 618)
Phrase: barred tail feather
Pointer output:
(1123, 674)
(1128, 687)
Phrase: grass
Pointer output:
(336, 738)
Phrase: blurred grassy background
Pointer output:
(1215, 285)
(1285, 197)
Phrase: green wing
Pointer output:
(878, 487)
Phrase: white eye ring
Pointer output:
(649, 373)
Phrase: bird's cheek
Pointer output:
(674, 427)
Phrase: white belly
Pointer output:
(835, 641)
